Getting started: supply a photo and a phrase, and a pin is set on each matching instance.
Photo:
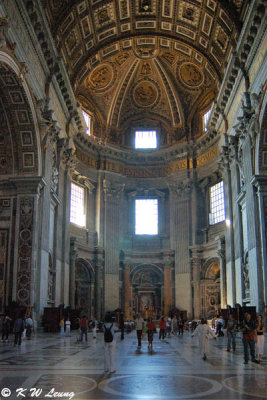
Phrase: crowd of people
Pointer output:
(252, 331)
(22, 325)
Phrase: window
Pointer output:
(146, 217)
(77, 215)
(145, 139)
(217, 207)
(206, 119)
(87, 120)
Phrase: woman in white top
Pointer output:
(260, 338)
(110, 343)
(68, 324)
(203, 332)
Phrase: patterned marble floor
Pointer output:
(51, 367)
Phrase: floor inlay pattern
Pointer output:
(174, 369)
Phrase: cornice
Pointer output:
(150, 164)
(249, 37)
(56, 68)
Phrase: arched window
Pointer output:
(217, 203)
(146, 139)
(206, 117)
(77, 205)
(146, 216)
(87, 120)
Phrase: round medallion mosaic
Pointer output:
(67, 383)
(191, 75)
(101, 76)
(145, 94)
(160, 387)
(252, 385)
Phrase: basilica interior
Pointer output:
(133, 156)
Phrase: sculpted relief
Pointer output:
(145, 94)
(191, 75)
(101, 76)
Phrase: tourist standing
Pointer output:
(203, 332)
(174, 325)
(6, 328)
(162, 328)
(260, 339)
(29, 326)
(231, 332)
(168, 327)
(62, 327)
(68, 324)
(248, 328)
(110, 344)
(150, 332)
(181, 326)
(139, 326)
(19, 326)
(121, 326)
(83, 326)
(94, 328)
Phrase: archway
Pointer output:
(147, 290)
(210, 288)
(84, 287)
(20, 170)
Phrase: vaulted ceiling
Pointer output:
(145, 63)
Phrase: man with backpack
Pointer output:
(18, 329)
(110, 343)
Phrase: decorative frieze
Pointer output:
(25, 243)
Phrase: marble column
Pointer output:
(167, 290)
(221, 255)
(113, 194)
(229, 234)
(25, 268)
(260, 183)
(180, 227)
(127, 293)
(73, 256)
(196, 268)
(99, 280)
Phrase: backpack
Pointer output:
(108, 337)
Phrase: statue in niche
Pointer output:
(254, 127)
(3, 31)
(246, 281)
(54, 179)
(248, 121)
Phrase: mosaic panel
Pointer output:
(124, 9)
(26, 207)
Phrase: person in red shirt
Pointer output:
(83, 326)
(162, 328)
(150, 332)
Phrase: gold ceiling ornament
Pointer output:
(145, 53)
(145, 94)
(191, 75)
(101, 77)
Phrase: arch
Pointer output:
(86, 267)
(210, 287)
(84, 287)
(211, 269)
(21, 137)
(147, 267)
(261, 143)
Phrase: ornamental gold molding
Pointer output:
(208, 156)
(147, 171)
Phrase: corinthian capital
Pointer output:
(112, 190)
(181, 189)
